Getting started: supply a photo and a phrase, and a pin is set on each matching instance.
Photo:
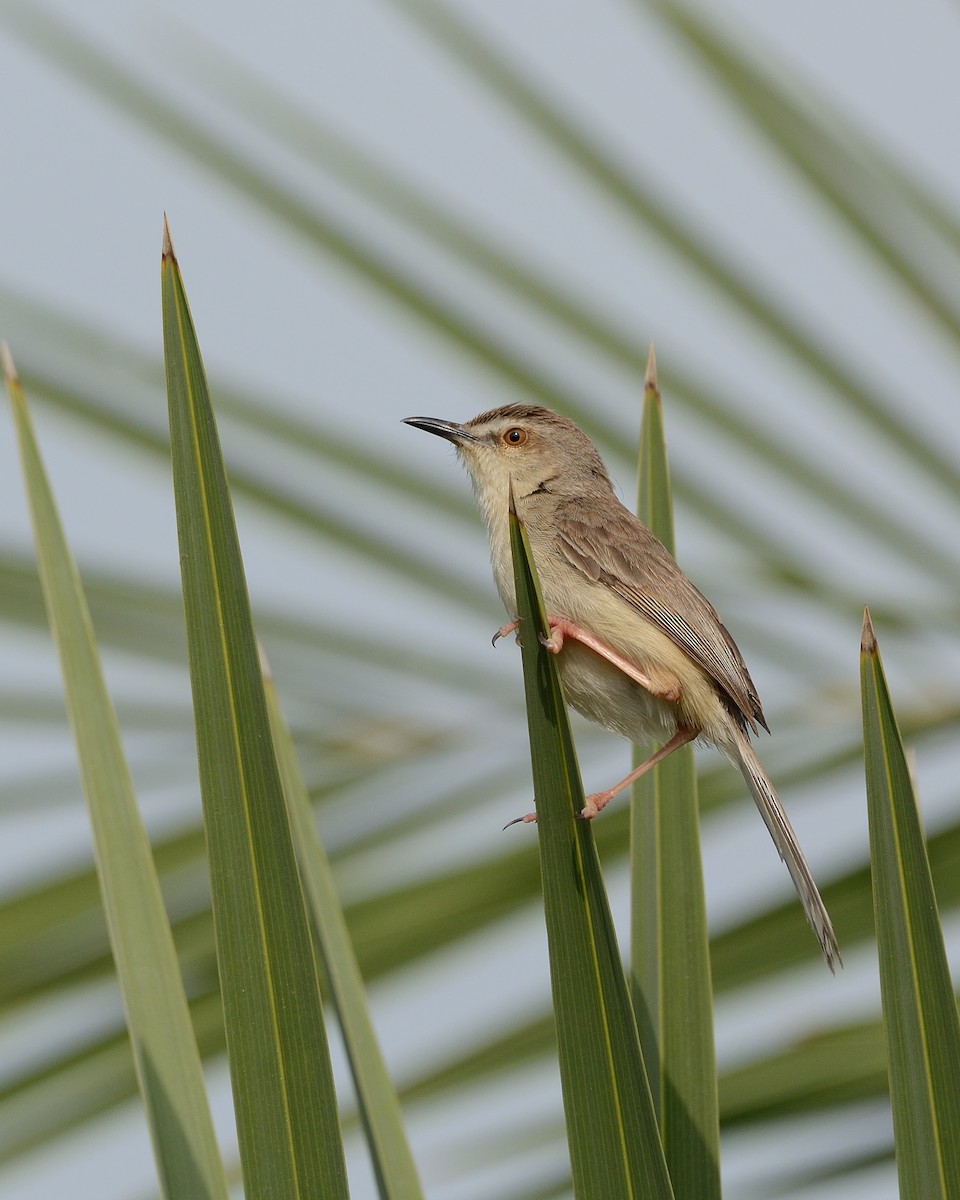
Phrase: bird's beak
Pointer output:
(445, 429)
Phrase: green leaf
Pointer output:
(286, 1111)
(393, 1164)
(920, 1013)
(840, 165)
(165, 1053)
(669, 946)
(839, 1066)
(615, 1149)
(85, 1082)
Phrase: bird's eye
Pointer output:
(515, 436)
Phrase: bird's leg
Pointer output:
(561, 628)
(595, 803)
(599, 800)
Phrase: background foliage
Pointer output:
(488, 222)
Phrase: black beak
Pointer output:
(445, 429)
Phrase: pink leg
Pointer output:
(599, 800)
(562, 629)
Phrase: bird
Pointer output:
(640, 650)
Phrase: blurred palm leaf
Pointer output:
(405, 778)
(919, 1009)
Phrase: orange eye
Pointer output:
(515, 436)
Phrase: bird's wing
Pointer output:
(611, 546)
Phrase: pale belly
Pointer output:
(601, 691)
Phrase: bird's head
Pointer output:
(531, 447)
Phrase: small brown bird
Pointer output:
(640, 650)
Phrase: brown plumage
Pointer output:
(640, 650)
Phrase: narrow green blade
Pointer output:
(286, 1111)
(669, 947)
(920, 1013)
(390, 1155)
(841, 167)
(615, 1150)
(165, 1053)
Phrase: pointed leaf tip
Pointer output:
(511, 503)
(9, 369)
(167, 248)
(868, 639)
(650, 381)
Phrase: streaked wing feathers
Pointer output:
(610, 546)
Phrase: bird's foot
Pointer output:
(595, 804)
(559, 631)
(503, 631)
(526, 819)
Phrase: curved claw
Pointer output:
(503, 631)
(526, 819)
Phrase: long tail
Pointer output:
(775, 819)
